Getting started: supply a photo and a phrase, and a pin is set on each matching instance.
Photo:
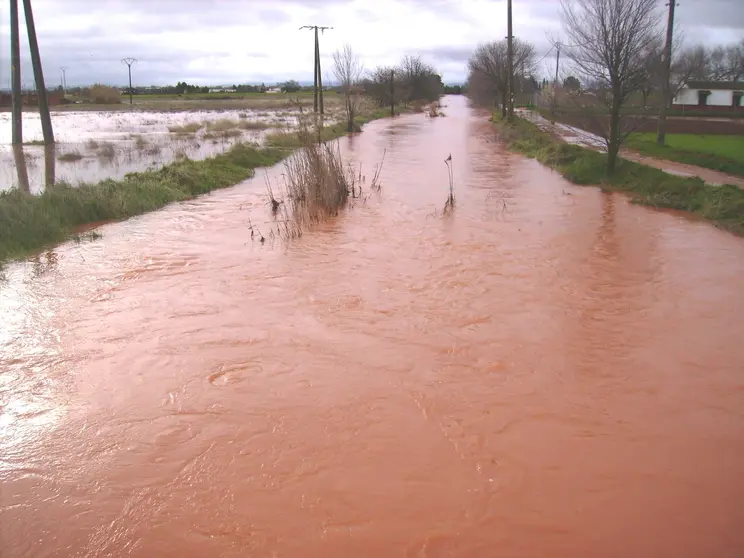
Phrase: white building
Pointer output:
(710, 95)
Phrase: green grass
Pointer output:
(29, 223)
(721, 205)
(721, 153)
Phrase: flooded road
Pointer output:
(549, 372)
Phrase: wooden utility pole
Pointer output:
(129, 62)
(21, 168)
(510, 62)
(555, 83)
(41, 92)
(15, 74)
(667, 69)
(317, 77)
(392, 92)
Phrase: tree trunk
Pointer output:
(613, 140)
(349, 115)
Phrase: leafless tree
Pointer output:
(727, 62)
(348, 70)
(489, 69)
(420, 80)
(690, 63)
(378, 87)
(607, 41)
(653, 63)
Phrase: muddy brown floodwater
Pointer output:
(550, 372)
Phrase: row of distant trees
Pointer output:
(411, 80)
(615, 53)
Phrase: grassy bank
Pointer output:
(722, 205)
(721, 153)
(28, 223)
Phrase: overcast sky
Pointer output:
(253, 41)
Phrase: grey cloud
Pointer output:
(118, 28)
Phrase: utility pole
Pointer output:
(392, 92)
(317, 77)
(510, 62)
(64, 79)
(320, 74)
(555, 83)
(41, 92)
(129, 62)
(665, 87)
(15, 74)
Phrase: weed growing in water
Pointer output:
(254, 125)
(222, 125)
(185, 129)
(91, 144)
(106, 150)
(70, 156)
(222, 135)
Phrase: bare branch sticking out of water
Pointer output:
(449, 205)
(272, 200)
(376, 185)
(501, 199)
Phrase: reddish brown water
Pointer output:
(551, 372)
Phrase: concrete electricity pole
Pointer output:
(15, 74)
(665, 88)
(129, 62)
(41, 92)
(15, 61)
(510, 62)
(64, 79)
(317, 76)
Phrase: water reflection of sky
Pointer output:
(31, 401)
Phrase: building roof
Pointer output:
(726, 85)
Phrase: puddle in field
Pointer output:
(94, 146)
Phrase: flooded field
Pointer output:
(550, 371)
(93, 146)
